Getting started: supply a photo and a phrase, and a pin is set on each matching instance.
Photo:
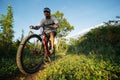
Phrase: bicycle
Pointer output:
(31, 53)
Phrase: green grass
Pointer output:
(81, 67)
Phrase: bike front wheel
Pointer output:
(30, 54)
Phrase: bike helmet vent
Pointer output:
(47, 9)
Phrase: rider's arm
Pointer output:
(34, 27)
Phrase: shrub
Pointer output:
(8, 67)
(80, 67)
(101, 40)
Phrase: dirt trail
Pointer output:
(21, 76)
(35, 75)
(32, 76)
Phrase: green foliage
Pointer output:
(8, 67)
(103, 40)
(101, 44)
(7, 23)
(101, 63)
(80, 67)
(7, 47)
(64, 29)
(65, 26)
(6, 35)
(62, 45)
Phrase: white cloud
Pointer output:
(82, 32)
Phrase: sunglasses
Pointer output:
(46, 11)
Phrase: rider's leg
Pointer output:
(52, 41)
(45, 47)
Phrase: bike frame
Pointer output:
(45, 40)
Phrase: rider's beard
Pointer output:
(48, 17)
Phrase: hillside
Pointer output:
(101, 40)
(94, 56)
(98, 57)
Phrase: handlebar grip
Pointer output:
(31, 27)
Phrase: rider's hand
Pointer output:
(31, 27)
(55, 26)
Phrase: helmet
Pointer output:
(47, 9)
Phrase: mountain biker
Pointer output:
(50, 25)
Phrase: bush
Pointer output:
(8, 67)
(101, 40)
(81, 67)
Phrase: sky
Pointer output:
(82, 14)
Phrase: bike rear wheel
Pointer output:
(30, 54)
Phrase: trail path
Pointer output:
(30, 76)
(35, 75)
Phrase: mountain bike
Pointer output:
(31, 53)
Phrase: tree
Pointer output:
(65, 26)
(6, 22)
(64, 29)
(63, 46)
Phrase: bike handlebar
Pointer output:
(35, 27)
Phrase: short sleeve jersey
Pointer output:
(46, 24)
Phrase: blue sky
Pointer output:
(82, 14)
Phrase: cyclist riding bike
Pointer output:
(50, 25)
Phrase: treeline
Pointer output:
(103, 40)
(7, 33)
